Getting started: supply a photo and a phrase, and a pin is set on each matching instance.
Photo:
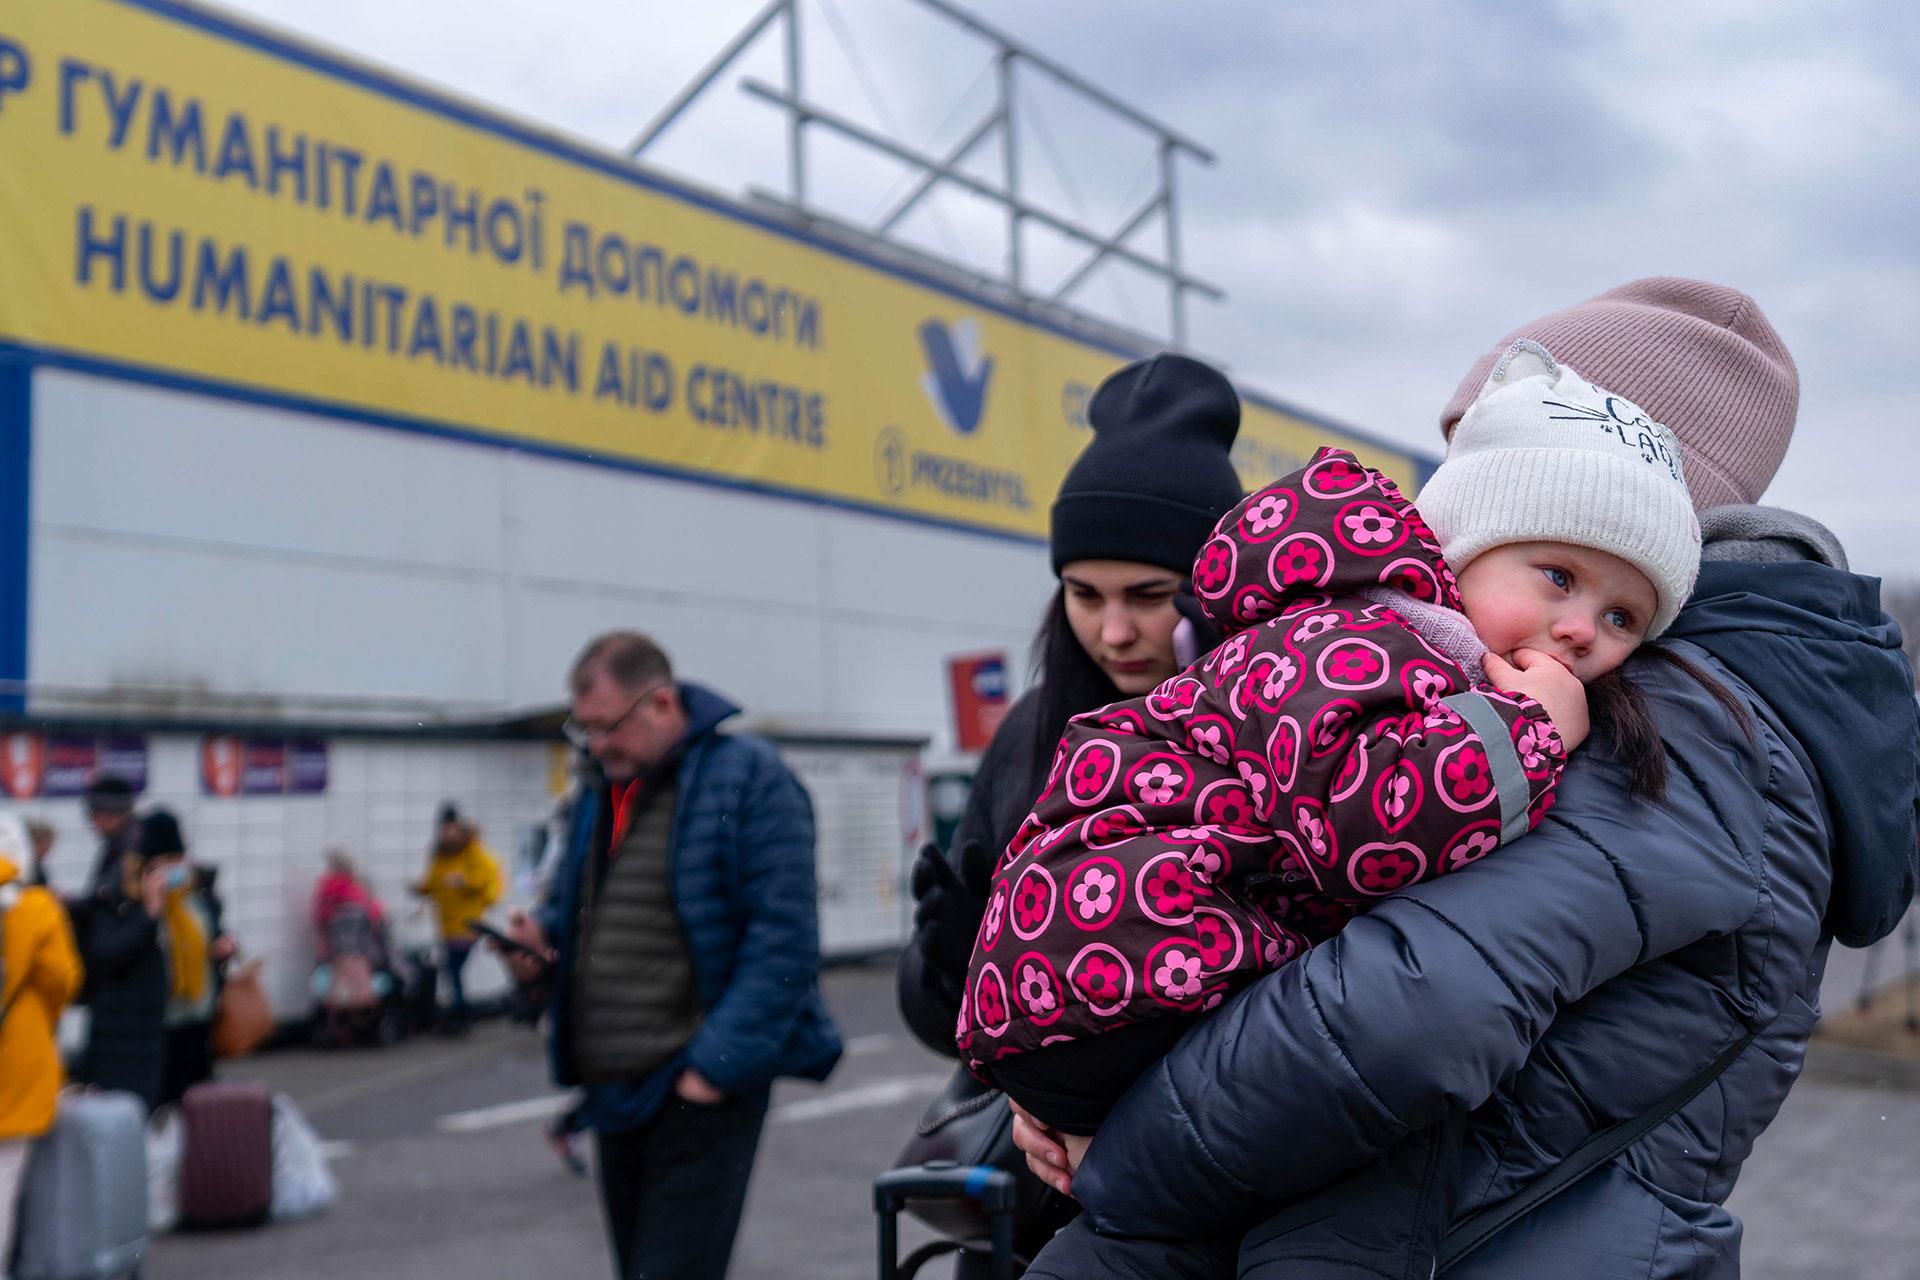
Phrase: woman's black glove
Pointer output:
(947, 913)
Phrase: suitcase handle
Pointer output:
(944, 1180)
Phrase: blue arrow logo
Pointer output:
(957, 374)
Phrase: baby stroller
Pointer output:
(356, 993)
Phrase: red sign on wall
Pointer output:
(979, 685)
(231, 766)
(35, 765)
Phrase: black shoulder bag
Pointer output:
(1597, 1150)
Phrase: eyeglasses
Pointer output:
(585, 735)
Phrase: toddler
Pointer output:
(1395, 698)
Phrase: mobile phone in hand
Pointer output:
(505, 943)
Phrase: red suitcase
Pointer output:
(226, 1158)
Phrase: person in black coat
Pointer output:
(151, 938)
(126, 987)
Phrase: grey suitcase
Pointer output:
(83, 1213)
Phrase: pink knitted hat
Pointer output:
(1698, 357)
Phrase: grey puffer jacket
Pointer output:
(1572, 980)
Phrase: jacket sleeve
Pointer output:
(1430, 1002)
(928, 989)
(933, 966)
(777, 965)
(55, 971)
(216, 909)
(117, 934)
(553, 912)
(1440, 791)
(1384, 764)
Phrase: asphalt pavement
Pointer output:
(443, 1171)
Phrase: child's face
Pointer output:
(1587, 609)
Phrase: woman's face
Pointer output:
(1122, 614)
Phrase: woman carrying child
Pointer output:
(1580, 977)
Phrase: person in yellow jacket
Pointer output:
(39, 974)
(462, 881)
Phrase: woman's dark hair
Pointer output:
(1070, 682)
(1621, 712)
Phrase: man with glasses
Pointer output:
(682, 943)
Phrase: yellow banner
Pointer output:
(192, 200)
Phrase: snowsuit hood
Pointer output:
(1319, 547)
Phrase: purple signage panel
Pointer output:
(306, 767)
(126, 757)
(263, 769)
(72, 762)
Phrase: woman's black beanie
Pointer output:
(1157, 476)
(160, 835)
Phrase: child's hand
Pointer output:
(1046, 1153)
(1548, 683)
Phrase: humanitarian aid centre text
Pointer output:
(171, 267)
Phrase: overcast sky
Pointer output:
(1397, 184)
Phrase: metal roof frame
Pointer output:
(1001, 121)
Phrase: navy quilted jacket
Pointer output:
(743, 886)
(1572, 981)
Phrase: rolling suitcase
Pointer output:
(83, 1209)
(226, 1158)
(993, 1189)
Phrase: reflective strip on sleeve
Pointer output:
(1503, 762)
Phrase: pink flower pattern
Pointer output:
(1099, 980)
(1170, 888)
(1297, 562)
(1352, 664)
(1178, 976)
(1036, 989)
(1369, 526)
(1093, 893)
(1467, 774)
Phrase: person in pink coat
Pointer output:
(1371, 721)
(341, 885)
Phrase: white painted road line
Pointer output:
(881, 1093)
(505, 1113)
(861, 1045)
(336, 1149)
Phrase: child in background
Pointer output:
(1371, 721)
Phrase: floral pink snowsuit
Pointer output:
(1324, 756)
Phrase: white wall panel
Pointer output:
(590, 525)
(113, 611)
(115, 456)
(893, 568)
